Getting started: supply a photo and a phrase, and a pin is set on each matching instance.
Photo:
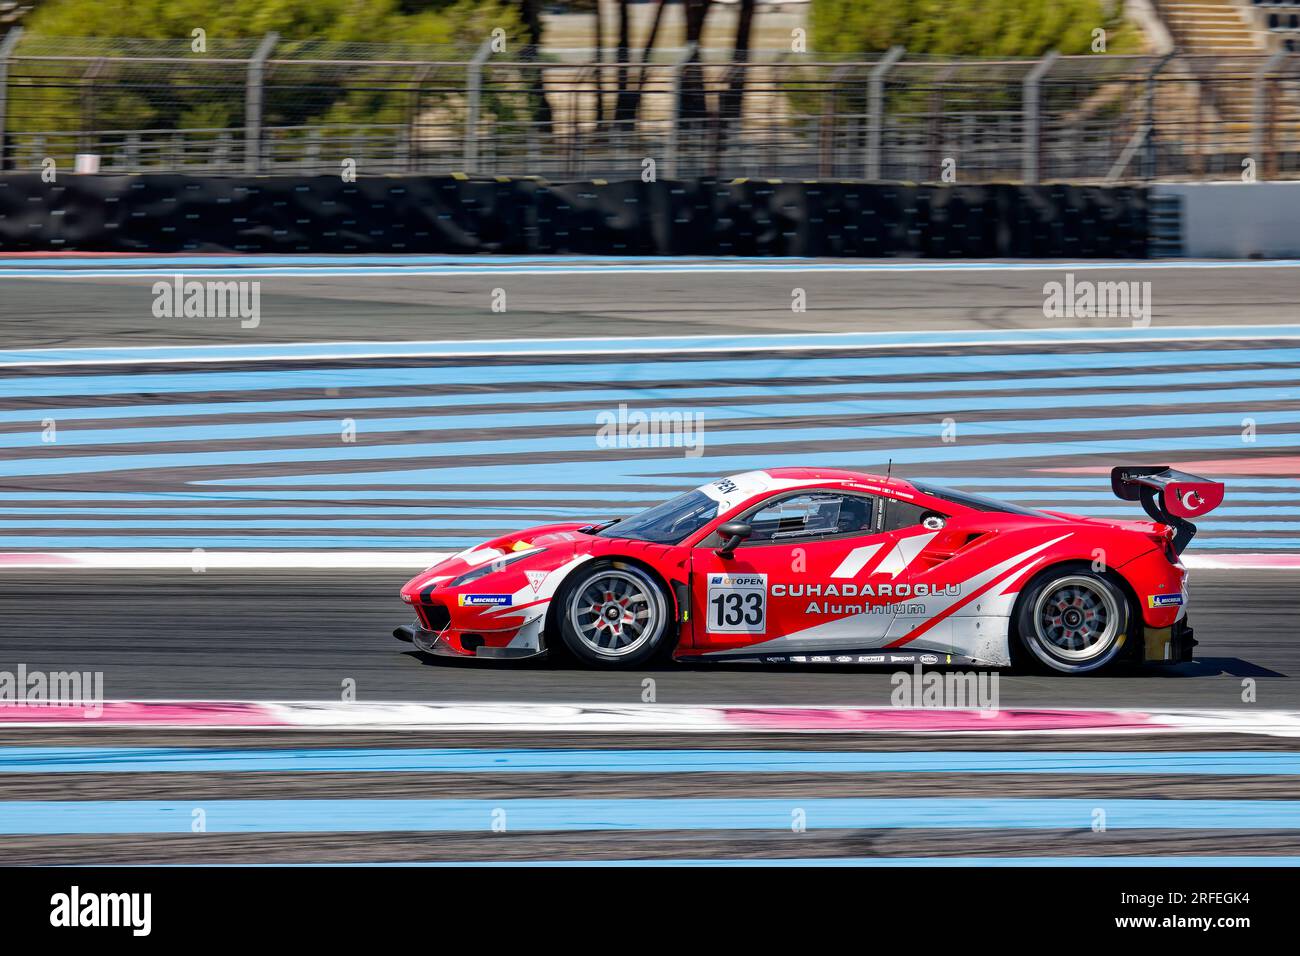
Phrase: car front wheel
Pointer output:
(614, 615)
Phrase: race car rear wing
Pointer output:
(1168, 496)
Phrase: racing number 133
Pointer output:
(738, 603)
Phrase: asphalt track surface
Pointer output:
(295, 636)
(299, 634)
(303, 635)
(83, 312)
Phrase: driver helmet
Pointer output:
(855, 515)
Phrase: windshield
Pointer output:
(978, 502)
(667, 523)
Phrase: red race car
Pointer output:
(820, 566)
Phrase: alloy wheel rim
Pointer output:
(1076, 619)
(614, 613)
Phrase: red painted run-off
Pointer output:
(145, 714)
(316, 714)
(18, 557)
(937, 720)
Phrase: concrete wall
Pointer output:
(1238, 220)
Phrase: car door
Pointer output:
(791, 587)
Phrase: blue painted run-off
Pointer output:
(470, 760)
(369, 815)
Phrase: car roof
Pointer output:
(814, 477)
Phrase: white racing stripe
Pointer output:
(419, 560)
(855, 561)
(904, 553)
(196, 562)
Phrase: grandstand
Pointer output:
(1282, 20)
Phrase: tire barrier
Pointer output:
(459, 215)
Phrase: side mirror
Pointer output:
(735, 532)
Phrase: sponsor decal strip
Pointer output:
(646, 718)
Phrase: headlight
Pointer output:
(492, 567)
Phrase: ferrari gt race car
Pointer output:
(820, 566)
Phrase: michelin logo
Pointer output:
(485, 600)
(1164, 600)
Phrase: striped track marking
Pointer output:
(640, 718)
(73, 258)
(466, 348)
(569, 815)
(302, 267)
(864, 862)
(473, 760)
(206, 439)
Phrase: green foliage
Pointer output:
(369, 21)
(196, 95)
(987, 28)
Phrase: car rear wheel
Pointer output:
(614, 615)
(1072, 621)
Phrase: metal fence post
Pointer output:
(679, 66)
(1151, 165)
(6, 52)
(1145, 133)
(876, 111)
(253, 104)
(472, 113)
(1033, 117)
(1260, 145)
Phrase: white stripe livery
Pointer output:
(855, 561)
(904, 553)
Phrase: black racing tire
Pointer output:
(1072, 620)
(614, 614)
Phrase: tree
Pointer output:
(541, 105)
(600, 63)
(147, 96)
(693, 105)
(624, 99)
(990, 28)
(735, 94)
(649, 45)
